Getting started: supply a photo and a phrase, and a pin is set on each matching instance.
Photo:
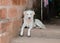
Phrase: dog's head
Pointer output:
(29, 14)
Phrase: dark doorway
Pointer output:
(50, 12)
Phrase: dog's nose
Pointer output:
(29, 17)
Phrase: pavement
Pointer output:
(49, 35)
(35, 40)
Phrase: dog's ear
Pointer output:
(24, 12)
(33, 13)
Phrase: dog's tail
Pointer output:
(39, 24)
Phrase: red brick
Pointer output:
(7, 26)
(10, 29)
(12, 12)
(16, 26)
(6, 2)
(0, 2)
(4, 24)
(20, 12)
(15, 2)
(3, 13)
(17, 23)
(5, 38)
(19, 2)
(11, 26)
(23, 2)
(0, 25)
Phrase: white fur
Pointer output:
(29, 21)
(39, 24)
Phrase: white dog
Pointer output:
(29, 21)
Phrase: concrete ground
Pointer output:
(35, 40)
(49, 35)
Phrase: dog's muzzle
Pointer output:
(29, 18)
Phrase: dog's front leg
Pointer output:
(29, 30)
(22, 29)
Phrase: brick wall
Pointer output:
(10, 18)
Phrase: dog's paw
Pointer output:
(21, 35)
(42, 28)
(29, 36)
